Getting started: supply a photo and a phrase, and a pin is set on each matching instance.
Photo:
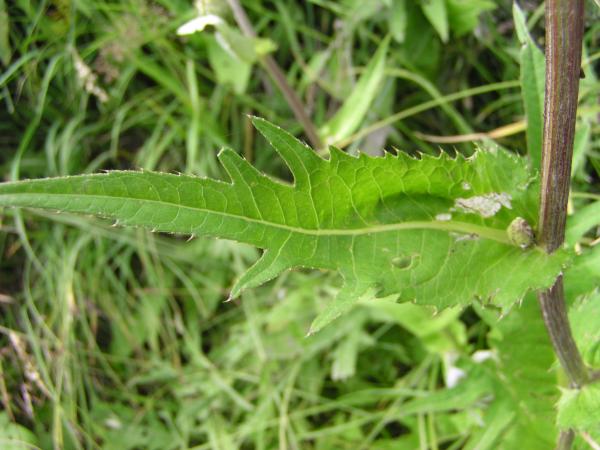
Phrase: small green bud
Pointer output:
(520, 233)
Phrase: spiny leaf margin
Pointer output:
(378, 221)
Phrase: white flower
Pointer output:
(453, 374)
(198, 24)
(483, 355)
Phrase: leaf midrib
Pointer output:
(494, 234)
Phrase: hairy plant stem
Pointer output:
(564, 34)
(565, 440)
(278, 77)
(554, 312)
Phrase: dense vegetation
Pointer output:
(120, 338)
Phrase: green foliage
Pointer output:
(524, 392)
(436, 13)
(14, 436)
(114, 337)
(460, 16)
(586, 218)
(581, 148)
(533, 73)
(392, 225)
(351, 114)
(463, 15)
(398, 20)
(580, 408)
(5, 51)
(584, 276)
(584, 316)
(229, 69)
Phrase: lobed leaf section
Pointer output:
(521, 411)
(431, 230)
(580, 409)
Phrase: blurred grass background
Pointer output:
(120, 339)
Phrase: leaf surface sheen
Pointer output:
(430, 230)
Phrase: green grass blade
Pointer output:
(349, 117)
(533, 72)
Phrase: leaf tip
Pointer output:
(258, 121)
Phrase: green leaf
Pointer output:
(581, 147)
(422, 49)
(419, 320)
(14, 436)
(129, 431)
(533, 72)
(228, 68)
(5, 51)
(439, 332)
(345, 355)
(498, 417)
(350, 116)
(430, 230)
(435, 11)
(397, 20)
(581, 222)
(525, 383)
(579, 408)
(463, 15)
(244, 48)
(584, 275)
(584, 317)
